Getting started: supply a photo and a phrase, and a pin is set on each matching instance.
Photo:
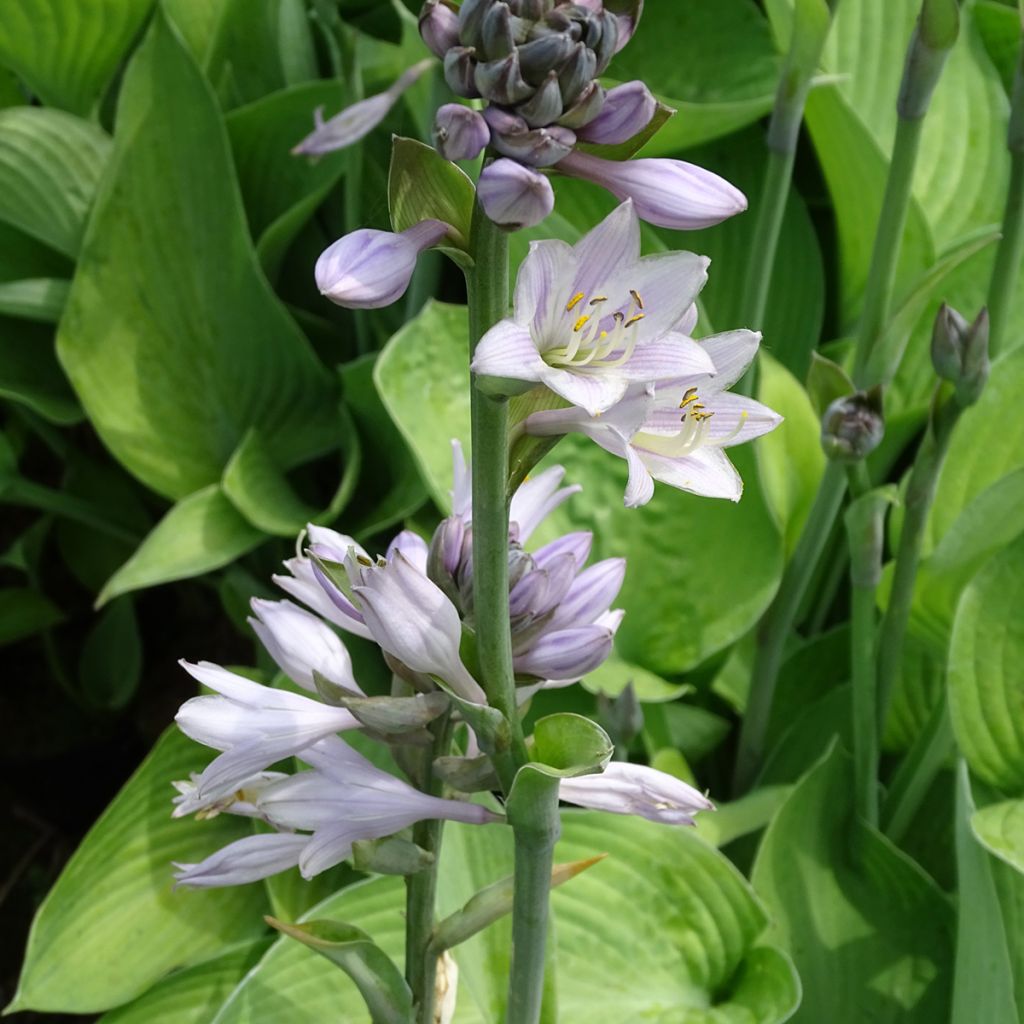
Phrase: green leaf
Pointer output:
(379, 981)
(614, 675)
(110, 662)
(869, 932)
(172, 338)
(37, 298)
(191, 996)
(790, 459)
(570, 745)
(826, 381)
(114, 924)
(999, 29)
(423, 185)
(986, 689)
(30, 374)
(719, 70)
(67, 53)
(624, 150)
(281, 191)
(202, 532)
(689, 918)
(50, 166)
(23, 612)
(751, 813)
(261, 49)
(983, 983)
(684, 601)
(1000, 829)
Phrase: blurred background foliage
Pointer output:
(177, 402)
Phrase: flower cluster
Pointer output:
(414, 602)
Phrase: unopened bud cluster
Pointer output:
(853, 427)
(536, 63)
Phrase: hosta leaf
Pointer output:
(172, 337)
(986, 689)
(50, 165)
(671, 624)
(114, 924)
(29, 372)
(719, 70)
(23, 612)
(67, 52)
(1000, 827)
(870, 933)
(983, 985)
(110, 662)
(36, 298)
(689, 918)
(202, 532)
(614, 675)
(191, 996)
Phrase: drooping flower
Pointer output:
(591, 319)
(636, 789)
(368, 269)
(253, 725)
(676, 431)
(358, 120)
(321, 813)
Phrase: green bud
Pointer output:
(960, 352)
(853, 426)
(623, 716)
(390, 856)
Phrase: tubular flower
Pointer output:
(591, 319)
(343, 799)
(675, 431)
(636, 789)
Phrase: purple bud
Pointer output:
(514, 196)
(628, 109)
(496, 39)
(367, 269)
(501, 82)
(446, 547)
(669, 193)
(460, 133)
(588, 105)
(591, 593)
(566, 653)
(439, 27)
(471, 20)
(460, 71)
(540, 56)
(578, 73)
(540, 147)
(576, 544)
(609, 43)
(544, 107)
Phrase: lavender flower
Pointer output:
(367, 269)
(592, 319)
(676, 431)
(514, 196)
(460, 133)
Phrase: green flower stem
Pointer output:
(811, 25)
(925, 759)
(778, 621)
(865, 520)
(917, 502)
(1006, 271)
(487, 283)
(421, 889)
(929, 47)
(533, 814)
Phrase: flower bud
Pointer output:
(459, 133)
(578, 72)
(539, 147)
(853, 427)
(545, 105)
(669, 193)
(627, 109)
(496, 38)
(960, 352)
(460, 71)
(531, 10)
(471, 20)
(609, 43)
(587, 106)
(514, 196)
(540, 56)
(439, 27)
(500, 81)
(367, 269)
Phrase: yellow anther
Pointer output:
(636, 298)
(575, 301)
(597, 299)
(363, 560)
(633, 320)
(690, 396)
(579, 323)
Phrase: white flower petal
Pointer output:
(508, 350)
(245, 860)
(668, 283)
(666, 358)
(605, 249)
(705, 471)
(536, 498)
(593, 390)
(544, 279)
(731, 352)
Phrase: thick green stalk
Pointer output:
(919, 497)
(865, 519)
(487, 284)
(926, 57)
(533, 814)
(421, 890)
(775, 627)
(1006, 271)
